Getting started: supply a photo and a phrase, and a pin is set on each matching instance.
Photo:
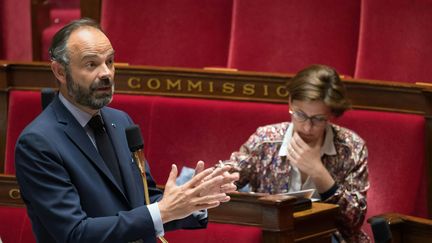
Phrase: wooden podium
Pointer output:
(282, 218)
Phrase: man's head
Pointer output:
(316, 94)
(83, 63)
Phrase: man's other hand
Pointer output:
(207, 189)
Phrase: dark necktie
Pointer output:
(105, 147)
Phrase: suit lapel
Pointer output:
(118, 137)
(79, 137)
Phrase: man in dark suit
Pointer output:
(73, 192)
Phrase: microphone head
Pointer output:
(47, 95)
(134, 138)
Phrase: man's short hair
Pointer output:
(58, 50)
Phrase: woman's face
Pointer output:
(310, 119)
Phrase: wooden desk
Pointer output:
(276, 216)
(315, 224)
(407, 229)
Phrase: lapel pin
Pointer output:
(113, 125)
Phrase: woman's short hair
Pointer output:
(319, 83)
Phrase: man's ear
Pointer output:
(59, 71)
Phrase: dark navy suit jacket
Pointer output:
(70, 194)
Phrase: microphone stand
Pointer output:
(136, 144)
(140, 158)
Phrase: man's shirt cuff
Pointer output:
(156, 217)
(200, 215)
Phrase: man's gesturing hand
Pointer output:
(207, 189)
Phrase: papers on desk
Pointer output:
(302, 194)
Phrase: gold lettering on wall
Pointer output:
(14, 194)
(265, 90)
(211, 86)
(208, 87)
(153, 83)
(191, 85)
(282, 91)
(249, 89)
(176, 84)
(228, 88)
(134, 82)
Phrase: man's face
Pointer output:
(90, 73)
(94, 97)
(310, 119)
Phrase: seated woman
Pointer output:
(311, 152)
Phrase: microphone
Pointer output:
(47, 95)
(134, 138)
(136, 145)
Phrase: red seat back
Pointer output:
(15, 226)
(181, 33)
(23, 107)
(184, 130)
(395, 41)
(397, 163)
(286, 36)
(59, 17)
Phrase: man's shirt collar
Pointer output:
(82, 117)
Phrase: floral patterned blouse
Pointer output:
(265, 171)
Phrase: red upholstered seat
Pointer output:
(24, 106)
(140, 108)
(286, 36)
(59, 17)
(15, 226)
(397, 162)
(183, 131)
(217, 233)
(395, 39)
(181, 33)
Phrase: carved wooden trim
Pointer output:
(230, 85)
(9, 191)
